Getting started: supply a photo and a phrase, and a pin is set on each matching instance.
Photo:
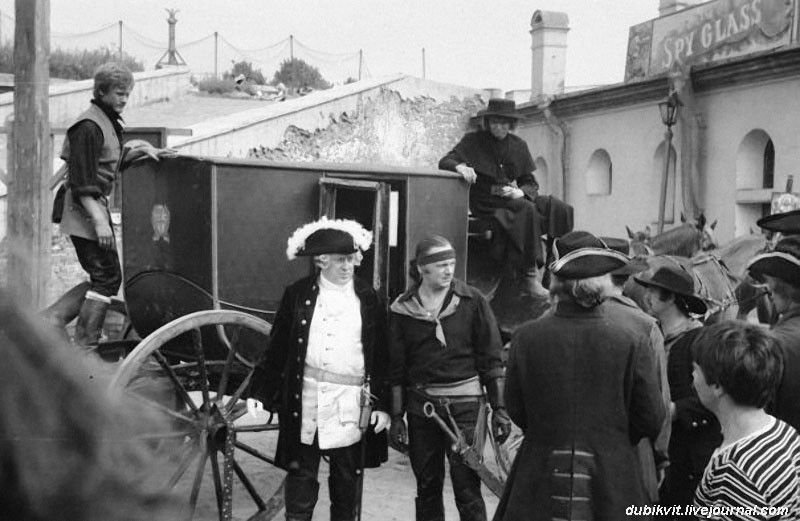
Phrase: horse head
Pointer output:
(640, 242)
(707, 239)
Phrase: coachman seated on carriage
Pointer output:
(500, 167)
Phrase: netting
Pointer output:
(204, 55)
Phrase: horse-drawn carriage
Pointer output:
(204, 268)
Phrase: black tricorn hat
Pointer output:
(786, 222)
(328, 236)
(783, 262)
(501, 108)
(633, 266)
(676, 280)
(581, 255)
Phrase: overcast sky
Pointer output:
(467, 42)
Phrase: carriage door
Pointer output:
(368, 203)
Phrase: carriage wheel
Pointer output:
(202, 400)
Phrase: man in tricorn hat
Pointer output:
(500, 167)
(585, 391)
(780, 271)
(671, 298)
(327, 355)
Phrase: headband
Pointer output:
(437, 257)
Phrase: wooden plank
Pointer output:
(30, 161)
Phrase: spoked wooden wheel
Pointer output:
(170, 373)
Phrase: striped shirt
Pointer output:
(756, 477)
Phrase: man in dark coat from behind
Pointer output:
(584, 389)
(780, 271)
(327, 355)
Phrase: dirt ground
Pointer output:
(389, 491)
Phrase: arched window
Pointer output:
(654, 197)
(542, 175)
(755, 179)
(598, 173)
(755, 161)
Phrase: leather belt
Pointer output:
(469, 387)
(330, 377)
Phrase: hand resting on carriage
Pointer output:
(467, 172)
(511, 192)
(140, 149)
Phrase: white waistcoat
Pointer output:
(334, 345)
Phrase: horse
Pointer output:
(685, 240)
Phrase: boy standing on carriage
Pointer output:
(326, 355)
(445, 347)
(93, 154)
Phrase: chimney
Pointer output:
(666, 7)
(549, 51)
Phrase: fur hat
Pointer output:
(783, 262)
(328, 236)
(676, 280)
(581, 255)
(501, 108)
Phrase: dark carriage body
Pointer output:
(210, 233)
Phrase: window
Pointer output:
(598, 173)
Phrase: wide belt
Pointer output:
(469, 387)
(330, 377)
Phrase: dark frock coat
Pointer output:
(278, 381)
(584, 387)
(787, 400)
(695, 429)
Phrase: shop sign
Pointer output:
(708, 32)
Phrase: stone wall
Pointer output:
(387, 129)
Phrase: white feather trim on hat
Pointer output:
(362, 237)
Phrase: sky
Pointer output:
(473, 43)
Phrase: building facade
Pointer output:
(736, 139)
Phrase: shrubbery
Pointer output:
(72, 64)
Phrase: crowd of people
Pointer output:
(621, 407)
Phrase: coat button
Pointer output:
(308, 302)
(694, 425)
(295, 414)
(303, 322)
(705, 422)
(299, 340)
(296, 396)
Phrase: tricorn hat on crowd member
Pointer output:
(581, 255)
(676, 280)
(328, 237)
(783, 262)
(786, 222)
(501, 108)
(623, 246)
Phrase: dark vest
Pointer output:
(75, 220)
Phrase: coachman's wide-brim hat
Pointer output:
(676, 280)
(328, 237)
(581, 255)
(783, 262)
(633, 266)
(501, 108)
(786, 222)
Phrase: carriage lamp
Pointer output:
(669, 114)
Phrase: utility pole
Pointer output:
(120, 41)
(216, 56)
(360, 62)
(30, 162)
(423, 63)
(291, 47)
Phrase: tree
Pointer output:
(296, 74)
(246, 68)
